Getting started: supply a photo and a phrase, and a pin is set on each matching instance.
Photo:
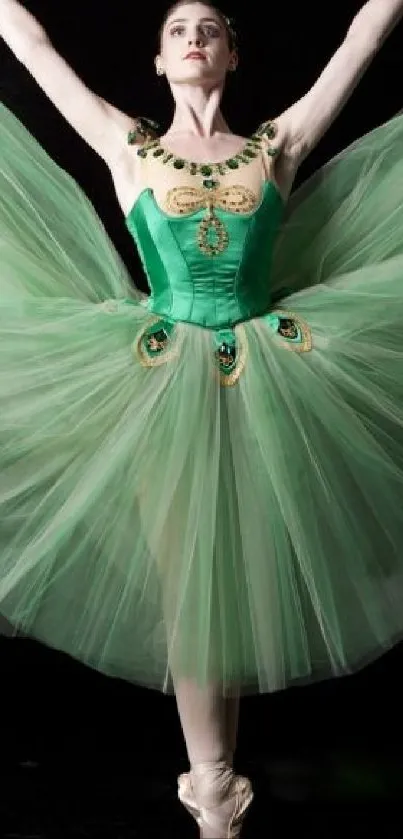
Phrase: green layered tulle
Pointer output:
(154, 522)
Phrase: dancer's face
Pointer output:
(194, 46)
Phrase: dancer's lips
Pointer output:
(195, 54)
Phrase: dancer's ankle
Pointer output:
(212, 781)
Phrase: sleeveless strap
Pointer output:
(270, 149)
(144, 130)
(268, 131)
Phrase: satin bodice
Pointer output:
(189, 285)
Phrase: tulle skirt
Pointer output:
(155, 524)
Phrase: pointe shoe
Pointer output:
(219, 822)
(186, 796)
(220, 815)
(186, 793)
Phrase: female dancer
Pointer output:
(201, 490)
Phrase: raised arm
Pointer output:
(302, 125)
(100, 124)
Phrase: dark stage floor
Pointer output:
(87, 756)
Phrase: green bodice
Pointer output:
(190, 285)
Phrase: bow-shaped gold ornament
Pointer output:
(189, 199)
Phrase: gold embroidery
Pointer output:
(212, 223)
(233, 356)
(295, 333)
(151, 344)
(236, 199)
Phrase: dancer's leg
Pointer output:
(202, 713)
(203, 717)
(209, 723)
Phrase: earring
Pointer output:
(159, 70)
(232, 67)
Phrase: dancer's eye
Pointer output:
(209, 30)
(177, 30)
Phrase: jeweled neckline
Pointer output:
(249, 152)
(246, 144)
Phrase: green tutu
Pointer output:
(155, 522)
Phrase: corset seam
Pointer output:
(239, 271)
(185, 263)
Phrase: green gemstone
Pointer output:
(210, 183)
(267, 128)
(272, 152)
(179, 164)
(131, 137)
(232, 163)
(158, 152)
(270, 130)
(142, 152)
(206, 170)
(249, 153)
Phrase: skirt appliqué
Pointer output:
(294, 332)
(156, 344)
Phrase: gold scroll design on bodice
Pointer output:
(237, 198)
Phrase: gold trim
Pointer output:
(145, 359)
(211, 221)
(235, 198)
(232, 378)
(306, 332)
